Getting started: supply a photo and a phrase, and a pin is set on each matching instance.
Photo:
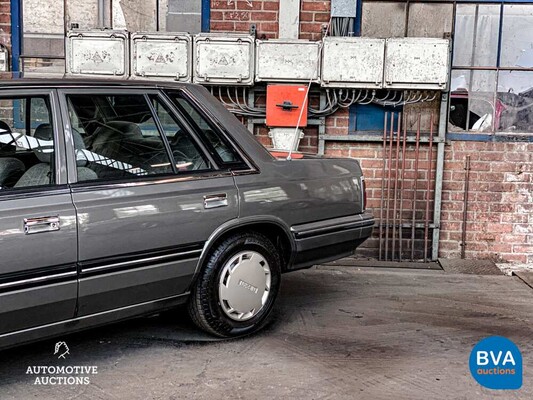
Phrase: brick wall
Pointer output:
(238, 15)
(313, 15)
(5, 23)
(500, 197)
(500, 210)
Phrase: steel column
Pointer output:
(439, 172)
(16, 36)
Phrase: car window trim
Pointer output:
(162, 134)
(85, 186)
(217, 165)
(201, 134)
(219, 128)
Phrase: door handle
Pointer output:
(41, 224)
(216, 200)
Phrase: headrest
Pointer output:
(79, 144)
(44, 133)
(4, 126)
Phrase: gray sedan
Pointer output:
(124, 199)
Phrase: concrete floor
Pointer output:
(341, 333)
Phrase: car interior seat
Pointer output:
(84, 173)
(40, 173)
(11, 168)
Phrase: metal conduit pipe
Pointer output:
(101, 13)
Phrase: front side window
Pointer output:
(27, 148)
(117, 137)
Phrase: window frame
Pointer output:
(146, 92)
(246, 164)
(60, 171)
(497, 68)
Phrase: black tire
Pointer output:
(204, 304)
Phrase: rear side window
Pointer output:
(27, 147)
(213, 138)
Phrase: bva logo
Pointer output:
(496, 363)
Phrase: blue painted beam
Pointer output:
(16, 36)
(206, 15)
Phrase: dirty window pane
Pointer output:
(517, 36)
(472, 101)
(515, 97)
(430, 20)
(476, 35)
(382, 20)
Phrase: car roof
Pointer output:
(69, 82)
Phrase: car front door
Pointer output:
(147, 194)
(38, 282)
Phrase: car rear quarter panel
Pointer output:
(303, 190)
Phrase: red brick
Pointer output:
(222, 4)
(306, 16)
(249, 5)
(311, 27)
(222, 26)
(242, 26)
(271, 5)
(236, 15)
(322, 17)
(263, 16)
(315, 5)
(217, 15)
(268, 27)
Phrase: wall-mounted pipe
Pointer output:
(465, 207)
(101, 14)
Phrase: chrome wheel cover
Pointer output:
(244, 285)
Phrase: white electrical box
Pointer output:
(223, 60)
(417, 63)
(292, 61)
(161, 56)
(98, 53)
(353, 62)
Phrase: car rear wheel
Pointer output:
(237, 287)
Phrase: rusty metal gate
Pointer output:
(408, 219)
(407, 190)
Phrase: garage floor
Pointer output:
(339, 332)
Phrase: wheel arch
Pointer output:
(273, 228)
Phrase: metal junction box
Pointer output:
(223, 60)
(161, 56)
(98, 53)
(284, 105)
(353, 62)
(281, 60)
(417, 63)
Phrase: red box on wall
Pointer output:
(284, 105)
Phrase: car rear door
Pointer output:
(38, 282)
(146, 203)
